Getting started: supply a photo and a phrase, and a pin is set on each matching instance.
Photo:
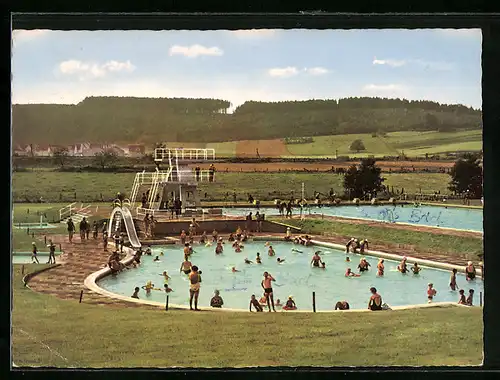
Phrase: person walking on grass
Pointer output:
(87, 230)
(52, 252)
(83, 227)
(71, 229)
(34, 253)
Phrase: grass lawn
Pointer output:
(422, 241)
(82, 335)
(61, 187)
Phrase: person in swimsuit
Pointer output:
(323, 265)
(280, 260)
(363, 265)
(255, 304)
(431, 292)
(462, 300)
(237, 248)
(402, 267)
(148, 251)
(347, 259)
(271, 252)
(268, 289)
(219, 248)
(183, 237)
(453, 280)
(136, 293)
(194, 287)
(203, 238)
(357, 246)
(348, 245)
(231, 237)
(288, 235)
(157, 258)
(342, 305)
(215, 235)
(415, 268)
(380, 267)
(34, 253)
(470, 271)
(258, 259)
(290, 304)
(186, 266)
(234, 270)
(148, 287)
(470, 298)
(316, 259)
(166, 277)
(375, 302)
(363, 246)
(278, 303)
(350, 273)
(308, 241)
(247, 261)
(216, 300)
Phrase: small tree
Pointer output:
(60, 156)
(364, 179)
(105, 158)
(357, 145)
(467, 174)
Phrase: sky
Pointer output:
(442, 65)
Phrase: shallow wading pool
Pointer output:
(433, 216)
(294, 277)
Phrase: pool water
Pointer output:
(434, 216)
(294, 277)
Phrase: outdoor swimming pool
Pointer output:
(294, 277)
(451, 217)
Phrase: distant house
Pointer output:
(136, 150)
(78, 149)
(41, 150)
(120, 152)
(20, 150)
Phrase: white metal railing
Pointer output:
(66, 211)
(144, 211)
(184, 154)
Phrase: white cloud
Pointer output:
(88, 70)
(389, 62)
(316, 70)
(251, 33)
(284, 72)
(195, 51)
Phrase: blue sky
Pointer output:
(442, 65)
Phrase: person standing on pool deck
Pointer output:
(82, 229)
(375, 302)
(71, 229)
(194, 287)
(34, 253)
(363, 246)
(470, 271)
(348, 245)
(52, 252)
(316, 259)
(268, 289)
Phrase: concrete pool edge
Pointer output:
(91, 281)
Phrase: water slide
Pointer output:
(128, 220)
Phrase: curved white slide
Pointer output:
(127, 218)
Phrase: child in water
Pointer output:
(349, 273)
(234, 270)
(136, 293)
(237, 248)
(278, 303)
(431, 292)
(148, 287)
(347, 259)
(290, 304)
(470, 298)
(219, 248)
(271, 251)
(323, 265)
(380, 267)
(415, 268)
(257, 259)
(453, 280)
(462, 300)
(157, 258)
(280, 260)
(247, 261)
(402, 266)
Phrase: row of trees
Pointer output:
(125, 120)
(366, 179)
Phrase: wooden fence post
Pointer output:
(314, 302)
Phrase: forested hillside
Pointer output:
(149, 120)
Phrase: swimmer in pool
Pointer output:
(348, 245)
(380, 267)
(247, 261)
(231, 237)
(157, 258)
(136, 293)
(316, 259)
(363, 265)
(280, 260)
(431, 292)
(462, 300)
(234, 270)
(342, 305)
(263, 300)
(166, 277)
(363, 246)
(323, 265)
(347, 259)
(470, 298)
(219, 248)
(278, 303)
(296, 250)
(267, 244)
(186, 249)
(186, 265)
(255, 304)
(453, 280)
(350, 273)
(402, 267)
(162, 254)
(470, 271)
(415, 268)
(258, 259)
(271, 252)
(203, 238)
(148, 287)
(237, 248)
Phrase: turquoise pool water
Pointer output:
(294, 277)
(460, 218)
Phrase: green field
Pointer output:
(88, 187)
(412, 143)
(48, 331)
